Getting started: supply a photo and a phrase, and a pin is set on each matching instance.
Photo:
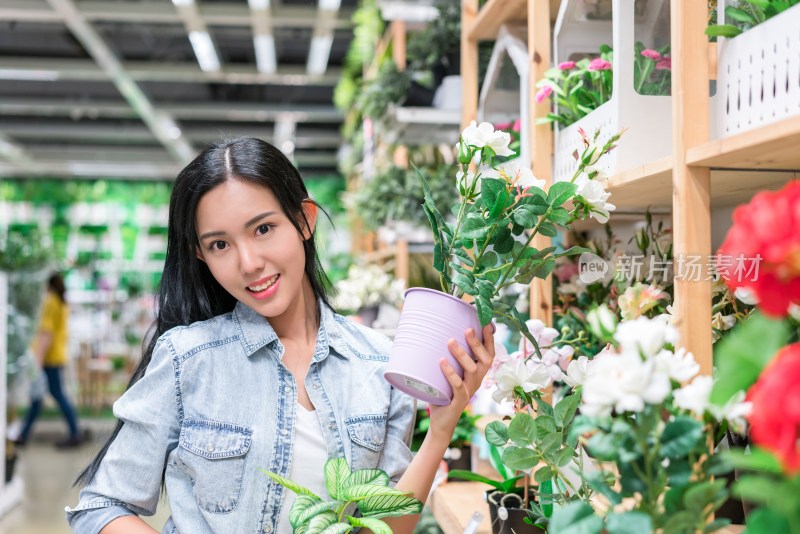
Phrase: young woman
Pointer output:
(250, 369)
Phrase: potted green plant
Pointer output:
(437, 47)
(388, 87)
(488, 247)
(365, 490)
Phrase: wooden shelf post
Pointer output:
(691, 185)
(469, 64)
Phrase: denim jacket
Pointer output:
(216, 405)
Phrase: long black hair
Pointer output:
(188, 292)
(56, 284)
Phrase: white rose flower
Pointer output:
(602, 321)
(745, 295)
(577, 371)
(679, 365)
(735, 411)
(695, 396)
(794, 311)
(483, 135)
(622, 382)
(530, 375)
(512, 170)
(721, 322)
(595, 196)
(646, 335)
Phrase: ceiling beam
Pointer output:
(160, 123)
(135, 133)
(203, 45)
(14, 153)
(263, 38)
(231, 111)
(42, 69)
(322, 39)
(159, 12)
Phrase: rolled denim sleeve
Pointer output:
(128, 480)
(396, 454)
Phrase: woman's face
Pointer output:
(251, 246)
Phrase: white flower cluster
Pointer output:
(643, 372)
(367, 285)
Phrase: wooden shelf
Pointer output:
(774, 146)
(651, 185)
(454, 503)
(496, 13)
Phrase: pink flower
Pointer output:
(566, 65)
(599, 63)
(665, 63)
(543, 93)
(652, 54)
(517, 125)
(502, 126)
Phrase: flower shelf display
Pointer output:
(583, 28)
(758, 73)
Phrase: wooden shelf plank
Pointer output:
(454, 503)
(651, 186)
(768, 147)
(494, 14)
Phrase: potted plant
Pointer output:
(486, 249)
(365, 289)
(388, 87)
(437, 47)
(365, 490)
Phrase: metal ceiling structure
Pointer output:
(134, 88)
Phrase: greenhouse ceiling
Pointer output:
(131, 89)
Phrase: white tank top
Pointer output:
(308, 463)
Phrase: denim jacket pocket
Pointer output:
(213, 454)
(367, 435)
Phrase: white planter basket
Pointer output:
(647, 119)
(758, 78)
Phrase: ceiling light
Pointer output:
(181, 3)
(258, 4)
(265, 53)
(204, 50)
(319, 54)
(35, 75)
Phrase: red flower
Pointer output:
(762, 249)
(775, 418)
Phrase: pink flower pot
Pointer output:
(428, 321)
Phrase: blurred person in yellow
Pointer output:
(50, 349)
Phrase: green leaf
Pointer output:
(560, 192)
(565, 410)
(438, 256)
(337, 528)
(465, 284)
(734, 13)
(573, 251)
(288, 484)
(389, 505)
(559, 216)
(519, 458)
(758, 460)
(300, 512)
(336, 472)
(546, 423)
(524, 217)
(565, 456)
(716, 525)
(484, 310)
(375, 525)
(462, 255)
(488, 260)
(542, 474)
(522, 430)
(743, 353)
(461, 474)
(497, 433)
(491, 189)
(363, 491)
(629, 523)
(755, 488)
(723, 30)
(500, 204)
(300, 505)
(680, 437)
(486, 289)
(474, 227)
(575, 518)
(602, 446)
(322, 521)
(503, 242)
(552, 442)
(544, 409)
(766, 521)
(367, 476)
(547, 229)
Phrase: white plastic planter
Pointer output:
(647, 119)
(758, 77)
(504, 95)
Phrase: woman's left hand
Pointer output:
(444, 418)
